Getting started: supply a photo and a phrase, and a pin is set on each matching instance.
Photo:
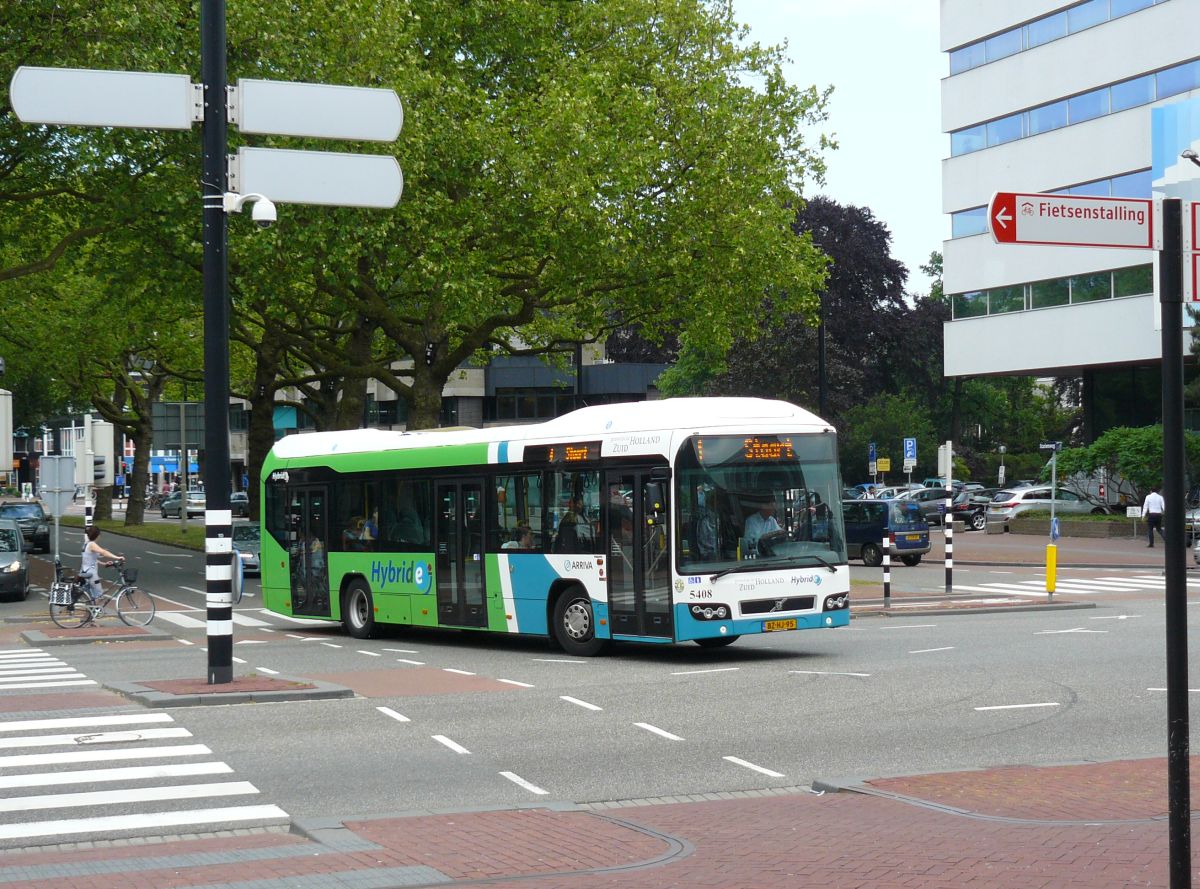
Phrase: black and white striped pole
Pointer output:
(218, 518)
(887, 569)
(947, 525)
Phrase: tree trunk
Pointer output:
(102, 508)
(139, 478)
(425, 410)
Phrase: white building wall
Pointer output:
(1062, 339)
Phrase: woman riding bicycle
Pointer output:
(88, 564)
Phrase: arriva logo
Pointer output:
(411, 574)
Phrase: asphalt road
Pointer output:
(448, 720)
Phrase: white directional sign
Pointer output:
(1074, 221)
(318, 177)
(86, 97)
(316, 109)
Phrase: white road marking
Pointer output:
(714, 670)
(180, 619)
(34, 725)
(170, 555)
(331, 645)
(1019, 706)
(388, 711)
(10, 652)
(928, 650)
(828, 673)
(128, 773)
(369, 653)
(456, 747)
(268, 672)
(514, 682)
(40, 673)
(557, 660)
(155, 820)
(403, 650)
(459, 672)
(401, 660)
(750, 765)
(250, 642)
(77, 756)
(1115, 617)
(94, 738)
(1063, 632)
(56, 684)
(521, 782)
(1163, 689)
(584, 704)
(127, 795)
(656, 730)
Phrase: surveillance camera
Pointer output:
(263, 215)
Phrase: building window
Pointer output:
(1132, 281)
(530, 404)
(965, 223)
(970, 305)
(1090, 288)
(1087, 106)
(1041, 31)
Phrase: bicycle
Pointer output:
(72, 606)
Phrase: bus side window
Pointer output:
(514, 510)
(575, 511)
(405, 515)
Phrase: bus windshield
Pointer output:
(771, 497)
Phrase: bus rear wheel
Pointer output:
(358, 610)
(575, 624)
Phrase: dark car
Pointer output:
(14, 564)
(868, 520)
(239, 503)
(32, 520)
(970, 508)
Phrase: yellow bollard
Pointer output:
(1051, 568)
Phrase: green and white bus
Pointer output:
(700, 519)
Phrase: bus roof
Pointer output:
(634, 416)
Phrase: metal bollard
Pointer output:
(887, 569)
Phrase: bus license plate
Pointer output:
(912, 537)
(770, 626)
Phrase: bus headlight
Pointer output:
(711, 611)
(837, 603)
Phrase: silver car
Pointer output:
(1012, 502)
(246, 541)
(14, 563)
(174, 503)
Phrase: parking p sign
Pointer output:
(910, 450)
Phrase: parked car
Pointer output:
(895, 491)
(14, 563)
(931, 500)
(1012, 502)
(868, 520)
(172, 505)
(851, 493)
(239, 502)
(246, 541)
(970, 507)
(32, 520)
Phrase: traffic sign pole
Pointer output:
(218, 519)
(1170, 295)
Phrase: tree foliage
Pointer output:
(1131, 458)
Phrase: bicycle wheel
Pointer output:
(135, 606)
(74, 615)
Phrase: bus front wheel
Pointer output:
(358, 610)
(575, 624)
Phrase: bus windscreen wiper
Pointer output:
(754, 564)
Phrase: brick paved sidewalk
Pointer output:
(1096, 825)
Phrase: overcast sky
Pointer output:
(881, 57)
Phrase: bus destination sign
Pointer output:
(567, 452)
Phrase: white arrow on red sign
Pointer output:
(1071, 220)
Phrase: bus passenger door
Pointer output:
(459, 546)
(638, 554)
(309, 570)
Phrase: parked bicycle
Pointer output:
(72, 606)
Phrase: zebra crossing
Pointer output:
(108, 774)
(195, 620)
(1036, 589)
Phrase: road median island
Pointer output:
(251, 688)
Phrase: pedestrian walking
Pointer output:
(1152, 512)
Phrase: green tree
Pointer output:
(886, 420)
(1130, 457)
